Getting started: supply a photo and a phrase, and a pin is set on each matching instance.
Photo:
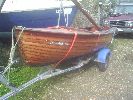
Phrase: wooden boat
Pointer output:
(54, 45)
(50, 45)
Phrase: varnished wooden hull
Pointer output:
(50, 45)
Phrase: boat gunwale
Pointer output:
(65, 31)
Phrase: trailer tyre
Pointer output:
(103, 66)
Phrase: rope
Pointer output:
(67, 21)
(69, 50)
(113, 36)
(13, 48)
(98, 38)
(59, 18)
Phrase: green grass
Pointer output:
(20, 74)
(37, 90)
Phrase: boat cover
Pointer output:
(27, 5)
(1, 4)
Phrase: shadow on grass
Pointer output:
(74, 61)
(124, 35)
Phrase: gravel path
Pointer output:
(90, 84)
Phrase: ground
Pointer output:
(89, 83)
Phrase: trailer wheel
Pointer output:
(103, 66)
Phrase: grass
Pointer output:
(20, 74)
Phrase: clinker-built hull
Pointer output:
(51, 45)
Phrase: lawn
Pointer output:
(20, 74)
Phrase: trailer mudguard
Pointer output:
(102, 55)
